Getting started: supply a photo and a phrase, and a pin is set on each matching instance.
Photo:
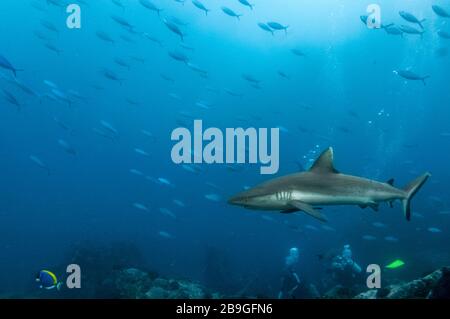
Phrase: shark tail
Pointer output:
(411, 189)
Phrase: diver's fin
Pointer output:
(411, 189)
(308, 209)
(390, 182)
(324, 163)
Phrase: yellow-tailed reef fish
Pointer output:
(47, 280)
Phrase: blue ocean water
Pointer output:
(342, 92)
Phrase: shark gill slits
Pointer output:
(283, 195)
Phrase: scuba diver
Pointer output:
(290, 280)
(345, 270)
(291, 285)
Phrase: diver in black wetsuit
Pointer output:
(345, 270)
(292, 287)
(290, 281)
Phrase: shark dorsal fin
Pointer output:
(324, 164)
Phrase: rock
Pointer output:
(133, 272)
(419, 288)
(193, 290)
(339, 292)
(433, 286)
(441, 290)
(156, 293)
(174, 285)
(179, 294)
(161, 282)
(132, 283)
(136, 284)
(369, 294)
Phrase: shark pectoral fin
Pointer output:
(308, 209)
(363, 206)
(289, 211)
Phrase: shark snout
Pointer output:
(247, 198)
(242, 198)
(236, 200)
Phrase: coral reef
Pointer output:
(340, 292)
(433, 286)
(136, 284)
(118, 270)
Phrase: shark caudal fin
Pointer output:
(411, 189)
